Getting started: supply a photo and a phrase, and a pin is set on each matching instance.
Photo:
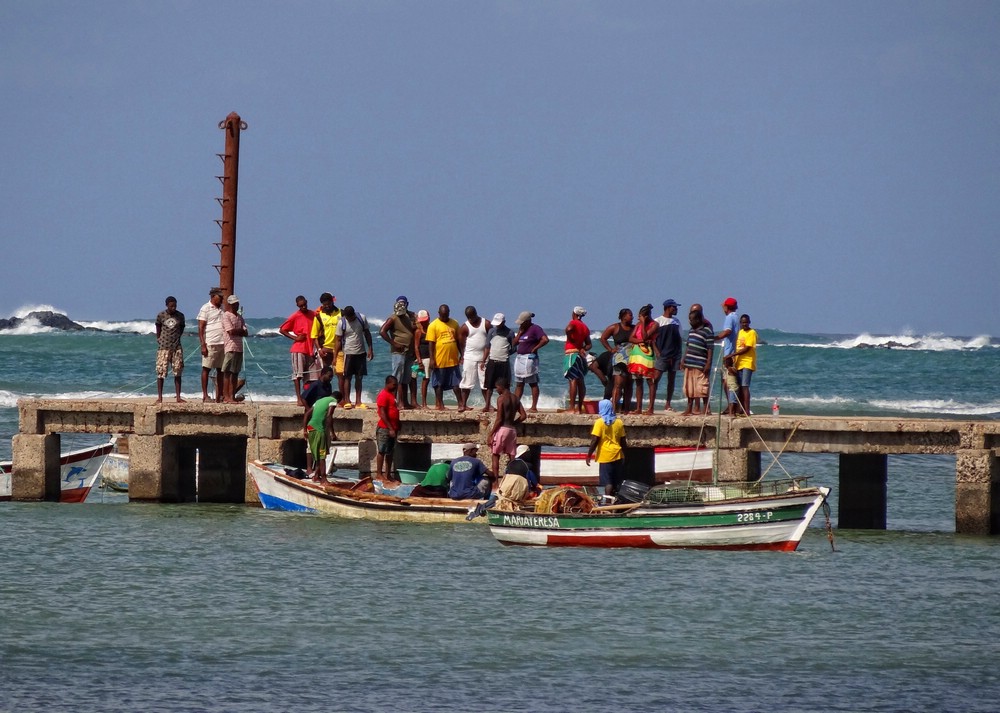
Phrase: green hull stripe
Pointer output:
(748, 517)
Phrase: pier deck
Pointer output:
(163, 439)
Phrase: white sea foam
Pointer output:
(133, 327)
(937, 406)
(929, 342)
(28, 326)
(25, 310)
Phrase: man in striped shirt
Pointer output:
(697, 362)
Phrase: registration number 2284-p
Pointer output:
(755, 516)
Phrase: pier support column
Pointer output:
(977, 492)
(35, 468)
(736, 465)
(367, 451)
(155, 467)
(862, 491)
(640, 466)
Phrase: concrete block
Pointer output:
(35, 468)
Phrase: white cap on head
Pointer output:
(497, 319)
(521, 451)
(579, 311)
(232, 299)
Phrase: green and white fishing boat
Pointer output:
(765, 515)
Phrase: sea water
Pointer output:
(117, 606)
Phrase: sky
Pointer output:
(835, 166)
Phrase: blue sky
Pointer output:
(835, 166)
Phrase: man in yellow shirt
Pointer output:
(607, 441)
(324, 334)
(442, 338)
(746, 360)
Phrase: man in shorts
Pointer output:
(575, 364)
(496, 355)
(442, 341)
(667, 347)
(317, 424)
(354, 339)
(212, 339)
(387, 430)
(528, 340)
(503, 435)
(298, 328)
(697, 362)
(399, 330)
(169, 352)
(234, 329)
(324, 331)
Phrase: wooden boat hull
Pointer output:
(767, 523)
(78, 471)
(278, 491)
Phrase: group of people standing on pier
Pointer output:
(477, 354)
(337, 343)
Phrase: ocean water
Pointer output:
(117, 606)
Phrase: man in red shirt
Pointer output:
(575, 361)
(387, 429)
(298, 328)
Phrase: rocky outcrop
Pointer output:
(46, 319)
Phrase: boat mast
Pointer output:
(229, 179)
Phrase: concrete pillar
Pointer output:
(640, 465)
(862, 491)
(412, 456)
(737, 465)
(366, 456)
(35, 470)
(153, 469)
(977, 492)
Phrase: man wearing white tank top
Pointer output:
(472, 341)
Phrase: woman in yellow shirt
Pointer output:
(607, 441)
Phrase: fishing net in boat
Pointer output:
(563, 499)
(673, 494)
(664, 494)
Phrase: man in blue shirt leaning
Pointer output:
(470, 478)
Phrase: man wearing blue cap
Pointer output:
(667, 349)
(398, 330)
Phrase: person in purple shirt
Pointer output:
(529, 339)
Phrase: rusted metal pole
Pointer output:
(232, 125)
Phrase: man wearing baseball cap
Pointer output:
(575, 359)
(234, 329)
(667, 347)
(470, 478)
(727, 335)
(496, 355)
(529, 339)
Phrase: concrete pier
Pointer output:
(163, 440)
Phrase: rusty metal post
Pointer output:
(229, 179)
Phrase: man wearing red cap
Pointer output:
(727, 335)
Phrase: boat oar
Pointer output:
(622, 507)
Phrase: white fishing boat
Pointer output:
(78, 471)
(766, 515)
(279, 490)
